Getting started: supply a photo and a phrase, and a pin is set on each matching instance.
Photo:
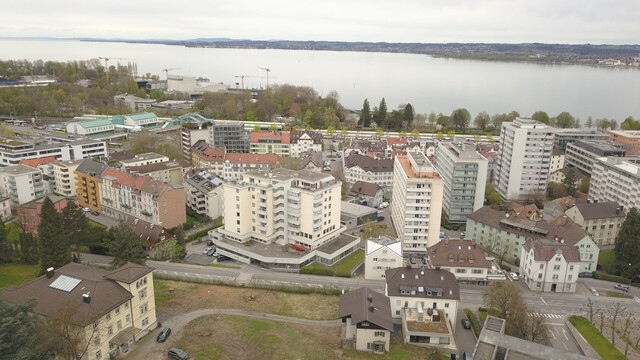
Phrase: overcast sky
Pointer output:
(508, 21)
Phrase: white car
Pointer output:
(206, 250)
(514, 276)
(86, 209)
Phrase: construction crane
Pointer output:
(268, 71)
(247, 76)
(166, 71)
(106, 65)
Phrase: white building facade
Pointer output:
(381, 255)
(549, 266)
(615, 179)
(22, 184)
(416, 202)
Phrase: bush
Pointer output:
(204, 232)
(516, 262)
(316, 269)
(474, 322)
(613, 278)
(505, 267)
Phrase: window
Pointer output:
(118, 310)
(570, 267)
(96, 341)
(143, 308)
(109, 316)
(99, 354)
(556, 267)
(126, 305)
(128, 318)
(541, 266)
(145, 321)
(446, 305)
(379, 334)
(555, 277)
(142, 293)
(119, 325)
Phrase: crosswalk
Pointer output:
(548, 316)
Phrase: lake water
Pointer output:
(429, 84)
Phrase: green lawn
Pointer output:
(343, 268)
(13, 231)
(595, 339)
(17, 274)
(608, 259)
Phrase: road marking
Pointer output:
(637, 298)
(543, 300)
(565, 335)
(554, 337)
(565, 345)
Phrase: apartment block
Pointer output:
(22, 184)
(205, 156)
(464, 174)
(283, 209)
(417, 198)
(549, 265)
(29, 213)
(565, 137)
(230, 135)
(109, 310)
(63, 149)
(616, 179)
(170, 171)
(357, 167)
(602, 220)
(236, 164)
(5, 208)
(524, 159)
(87, 178)
(64, 177)
(204, 194)
(270, 143)
(190, 134)
(124, 196)
(582, 154)
(626, 137)
(304, 140)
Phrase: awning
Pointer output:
(124, 336)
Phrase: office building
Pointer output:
(464, 174)
(230, 135)
(524, 159)
(416, 204)
(625, 137)
(582, 153)
(616, 179)
(565, 137)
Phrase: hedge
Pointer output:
(316, 269)
(204, 232)
(505, 267)
(613, 278)
(474, 323)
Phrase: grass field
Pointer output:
(180, 297)
(343, 268)
(608, 259)
(597, 341)
(229, 337)
(17, 274)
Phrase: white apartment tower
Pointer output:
(282, 206)
(417, 201)
(526, 148)
(464, 173)
(616, 179)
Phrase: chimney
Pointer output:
(402, 275)
(618, 211)
(86, 298)
(372, 308)
(50, 272)
(370, 297)
(416, 276)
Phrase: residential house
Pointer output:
(108, 310)
(529, 212)
(204, 194)
(87, 177)
(29, 213)
(361, 167)
(463, 258)
(124, 195)
(236, 164)
(560, 176)
(434, 288)
(503, 234)
(148, 232)
(370, 194)
(416, 202)
(45, 165)
(375, 149)
(395, 144)
(602, 220)
(367, 318)
(549, 265)
(204, 156)
(557, 160)
(21, 183)
(270, 143)
(557, 207)
(381, 254)
(304, 140)
(311, 160)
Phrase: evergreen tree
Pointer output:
(125, 246)
(54, 243)
(365, 114)
(570, 182)
(628, 241)
(76, 226)
(6, 250)
(382, 112)
(407, 114)
(28, 248)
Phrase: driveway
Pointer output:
(465, 339)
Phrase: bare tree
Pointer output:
(625, 333)
(615, 310)
(590, 310)
(73, 339)
(601, 313)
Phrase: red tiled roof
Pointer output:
(283, 136)
(396, 141)
(125, 178)
(213, 154)
(242, 158)
(39, 161)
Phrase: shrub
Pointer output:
(613, 278)
(474, 322)
(505, 267)
(316, 270)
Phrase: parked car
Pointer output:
(586, 274)
(206, 251)
(95, 213)
(164, 334)
(621, 287)
(86, 209)
(441, 235)
(179, 354)
(514, 276)
(211, 252)
(210, 242)
(223, 258)
(380, 218)
(466, 356)
(466, 324)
